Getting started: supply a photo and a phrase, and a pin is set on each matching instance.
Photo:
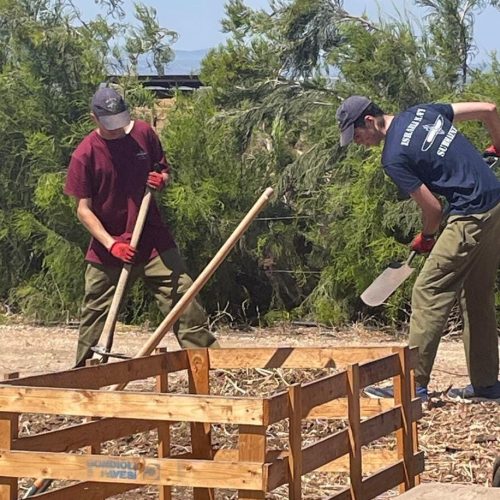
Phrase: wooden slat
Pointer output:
(102, 375)
(322, 390)
(153, 406)
(9, 428)
(325, 451)
(313, 393)
(201, 441)
(277, 472)
(384, 480)
(338, 409)
(404, 436)
(8, 431)
(132, 470)
(165, 492)
(252, 448)
(296, 357)
(373, 460)
(414, 424)
(369, 408)
(276, 408)
(378, 370)
(86, 490)
(381, 425)
(344, 494)
(295, 442)
(413, 356)
(80, 435)
(354, 431)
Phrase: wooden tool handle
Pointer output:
(205, 275)
(111, 318)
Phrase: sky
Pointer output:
(198, 21)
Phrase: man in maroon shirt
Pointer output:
(107, 174)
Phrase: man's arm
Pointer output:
(485, 112)
(94, 226)
(431, 209)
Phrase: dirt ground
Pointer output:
(460, 440)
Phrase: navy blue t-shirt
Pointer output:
(422, 146)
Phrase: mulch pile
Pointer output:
(460, 440)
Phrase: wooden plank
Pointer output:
(133, 470)
(252, 448)
(295, 442)
(344, 494)
(201, 440)
(354, 431)
(8, 431)
(338, 409)
(277, 473)
(373, 460)
(384, 480)
(86, 490)
(102, 375)
(413, 356)
(381, 425)
(80, 435)
(404, 436)
(314, 393)
(165, 492)
(296, 357)
(378, 370)
(369, 408)
(414, 424)
(276, 408)
(324, 451)
(95, 446)
(322, 390)
(153, 406)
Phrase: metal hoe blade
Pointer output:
(387, 283)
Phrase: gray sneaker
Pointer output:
(488, 393)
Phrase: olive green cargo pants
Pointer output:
(166, 277)
(462, 265)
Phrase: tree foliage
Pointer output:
(266, 118)
(50, 64)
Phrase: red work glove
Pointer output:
(491, 155)
(423, 243)
(156, 180)
(491, 151)
(123, 251)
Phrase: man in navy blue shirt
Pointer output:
(425, 155)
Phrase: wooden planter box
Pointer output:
(252, 468)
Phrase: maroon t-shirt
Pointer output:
(113, 174)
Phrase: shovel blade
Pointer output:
(385, 285)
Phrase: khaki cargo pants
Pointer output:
(463, 264)
(166, 277)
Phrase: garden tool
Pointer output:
(388, 282)
(109, 325)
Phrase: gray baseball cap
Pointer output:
(347, 113)
(110, 109)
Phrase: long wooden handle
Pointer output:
(111, 318)
(200, 282)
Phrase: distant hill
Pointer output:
(186, 62)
